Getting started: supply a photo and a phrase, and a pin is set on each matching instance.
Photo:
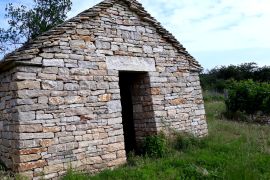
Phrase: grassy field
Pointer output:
(231, 151)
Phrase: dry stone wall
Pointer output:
(66, 110)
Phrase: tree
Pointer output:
(27, 23)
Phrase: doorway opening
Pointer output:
(137, 108)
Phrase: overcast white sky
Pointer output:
(215, 32)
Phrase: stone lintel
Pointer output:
(127, 63)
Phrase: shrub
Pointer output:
(155, 146)
(249, 97)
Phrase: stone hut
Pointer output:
(89, 90)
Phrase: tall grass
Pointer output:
(231, 151)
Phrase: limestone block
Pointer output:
(23, 136)
(127, 28)
(47, 55)
(24, 76)
(158, 49)
(115, 147)
(71, 86)
(46, 142)
(103, 45)
(30, 150)
(83, 31)
(147, 49)
(87, 64)
(56, 100)
(177, 101)
(53, 168)
(31, 165)
(114, 106)
(55, 85)
(30, 128)
(135, 49)
(105, 97)
(52, 129)
(88, 85)
(28, 85)
(127, 63)
(61, 56)
(73, 100)
(110, 156)
(79, 71)
(66, 139)
(76, 57)
(26, 158)
(53, 62)
(26, 116)
(43, 100)
(77, 44)
(121, 154)
(47, 76)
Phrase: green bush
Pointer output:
(155, 146)
(248, 97)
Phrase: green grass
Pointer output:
(231, 151)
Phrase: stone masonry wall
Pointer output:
(68, 112)
(7, 102)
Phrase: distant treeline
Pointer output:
(218, 78)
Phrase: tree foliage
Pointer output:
(27, 23)
(217, 79)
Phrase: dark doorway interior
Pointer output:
(137, 109)
(125, 82)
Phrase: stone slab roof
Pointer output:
(33, 47)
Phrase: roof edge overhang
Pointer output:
(7, 65)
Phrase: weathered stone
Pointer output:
(27, 158)
(71, 87)
(103, 45)
(123, 63)
(76, 57)
(53, 62)
(46, 142)
(83, 31)
(136, 50)
(66, 139)
(26, 116)
(147, 49)
(47, 55)
(53, 168)
(52, 85)
(56, 100)
(61, 56)
(24, 76)
(177, 101)
(114, 106)
(52, 129)
(77, 44)
(28, 85)
(30, 128)
(105, 97)
(31, 165)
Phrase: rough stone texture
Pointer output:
(127, 63)
(61, 105)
